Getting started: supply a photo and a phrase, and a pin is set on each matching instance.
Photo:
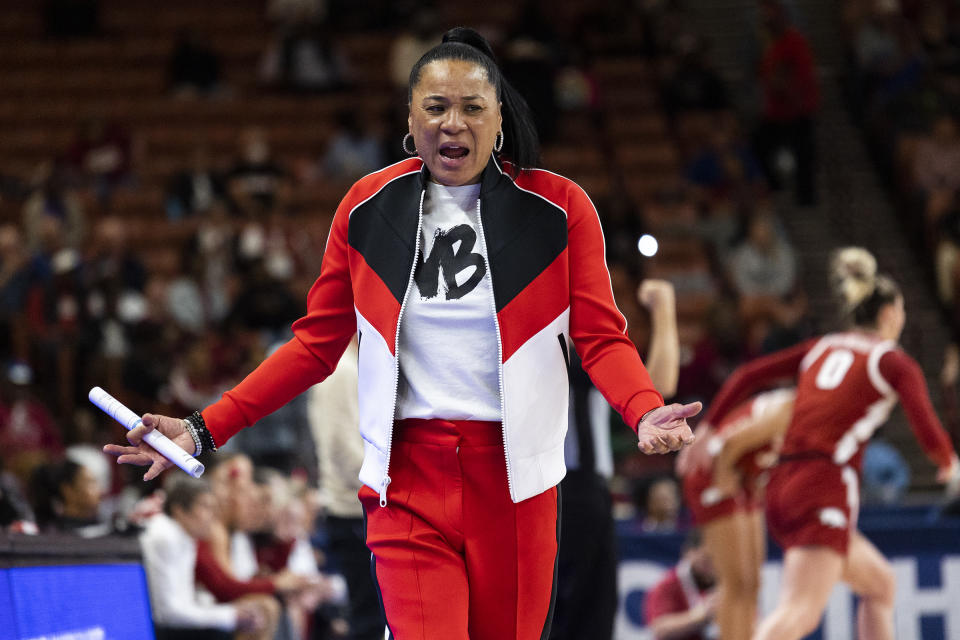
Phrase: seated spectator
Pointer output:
(530, 60)
(257, 184)
(194, 380)
(764, 264)
(886, 476)
(264, 302)
(17, 277)
(16, 516)
(182, 299)
(937, 33)
(115, 281)
(410, 44)
(101, 157)
(66, 498)
(692, 85)
(659, 505)
(682, 605)
(763, 271)
(29, 436)
(354, 150)
(725, 169)
(196, 189)
(194, 67)
(170, 556)
(282, 544)
(53, 197)
(305, 57)
(947, 247)
(878, 45)
(936, 167)
(61, 325)
(212, 247)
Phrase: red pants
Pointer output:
(454, 558)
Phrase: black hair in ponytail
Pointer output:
(521, 145)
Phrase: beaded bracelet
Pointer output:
(204, 435)
(192, 430)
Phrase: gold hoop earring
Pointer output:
(498, 145)
(405, 138)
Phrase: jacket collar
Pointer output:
(493, 175)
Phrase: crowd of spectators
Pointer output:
(904, 65)
(79, 305)
(82, 306)
(238, 551)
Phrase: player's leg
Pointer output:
(809, 575)
(870, 576)
(730, 544)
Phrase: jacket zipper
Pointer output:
(396, 356)
(496, 324)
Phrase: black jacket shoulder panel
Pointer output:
(524, 235)
(383, 230)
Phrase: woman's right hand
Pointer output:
(140, 453)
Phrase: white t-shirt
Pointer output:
(448, 336)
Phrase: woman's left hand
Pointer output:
(665, 429)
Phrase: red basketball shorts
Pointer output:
(812, 502)
(705, 503)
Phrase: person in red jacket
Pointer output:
(683, 604)
(466, 273)
(725, 499)
(791, 97)
(847, 385)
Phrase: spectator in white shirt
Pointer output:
(170, 553)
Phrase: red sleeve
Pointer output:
(223, 586)
(320, 338)
(665, 597)
(754, 376)
(598, 329)
(906, 377)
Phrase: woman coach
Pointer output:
(466, 273)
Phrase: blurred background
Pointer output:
(168, 173)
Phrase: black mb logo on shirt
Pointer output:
(450, 262)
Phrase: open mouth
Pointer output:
(453, 151)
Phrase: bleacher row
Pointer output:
(51, 87)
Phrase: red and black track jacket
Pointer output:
(550, 287)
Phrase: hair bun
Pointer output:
(471, 37)
(853, 275)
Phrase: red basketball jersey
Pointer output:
(847, 386)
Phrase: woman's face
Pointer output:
(454, 119)
(82, 496)
(199, 519)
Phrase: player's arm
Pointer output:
(906, 377)
(750, 434)
(755, 432)
(754, 376)
(745, 381)
(663, 353)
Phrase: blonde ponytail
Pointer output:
(861, 291)
(853, 276)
